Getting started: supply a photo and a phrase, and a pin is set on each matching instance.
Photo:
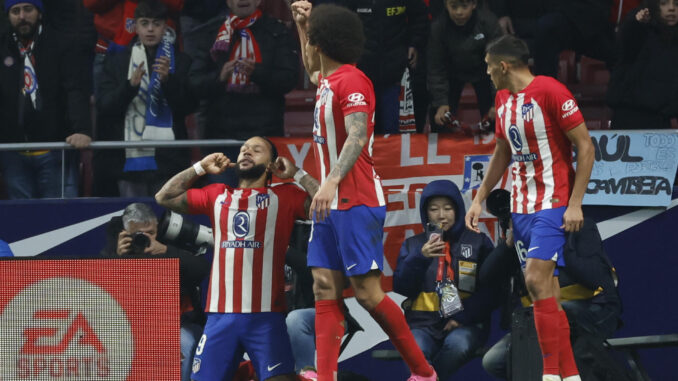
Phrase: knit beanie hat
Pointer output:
(37, 3)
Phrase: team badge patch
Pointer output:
(528, 112)
(466, 251)
(263, 200)
(196, 365)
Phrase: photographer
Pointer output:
(134, 235)
(442, 264)
(588, 294)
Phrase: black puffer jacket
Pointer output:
(232, 115)
(391, 27)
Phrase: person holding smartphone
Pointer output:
(447, 309)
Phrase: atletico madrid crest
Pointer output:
(263, 200)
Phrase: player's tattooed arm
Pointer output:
(356, 128)
(172, 195)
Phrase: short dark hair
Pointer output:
(337, 31)
(461, 2)
(151, 9)
(510, 48)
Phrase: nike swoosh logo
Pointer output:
(270, 368)
(351, 266)
(533, 248)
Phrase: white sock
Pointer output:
(572, 378)
(550, 377)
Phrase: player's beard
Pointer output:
(252, 173)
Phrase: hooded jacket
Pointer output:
(415, 275)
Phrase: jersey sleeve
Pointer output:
(201, 200)
(354, 95)
(563, 108)
(499, 118)
(295, 197)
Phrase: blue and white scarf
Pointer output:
(149, 116)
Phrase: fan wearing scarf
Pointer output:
(41, 100)
(143, 97)
(245, 67)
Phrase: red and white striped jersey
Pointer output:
(346, 91)
(534, 122)
(252, 229)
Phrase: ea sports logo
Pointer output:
(65, 329)
(355, 98)
(568, 105)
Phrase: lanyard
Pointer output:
(443, 262)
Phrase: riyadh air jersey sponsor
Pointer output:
(344, 92)
(252, 228)
(534, 122)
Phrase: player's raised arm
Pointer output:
(301, 11)
(285, 169)
(573, 219)
(172, 195)
(498, 164)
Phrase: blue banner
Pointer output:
(633, 168)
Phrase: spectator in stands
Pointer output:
(456, 56)
(588, 292)
(428, 264)
(519, 17)
(396, 33)
(114, 22)
(144, 97)
(246, 65)
(135, 235)
(41, 100)
(643, 89)
(579, 25)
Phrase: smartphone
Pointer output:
(432, 230)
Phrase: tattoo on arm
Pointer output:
(173, 193)
(356, 128)
(311, 186)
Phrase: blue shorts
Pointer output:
(349, 241)
(227, 336)
(539, 235)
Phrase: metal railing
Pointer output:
(40, 146)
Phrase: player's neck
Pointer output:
(252, 183)
(328, 66)
(519, 80)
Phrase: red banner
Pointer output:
(406, 163)
(94, 320)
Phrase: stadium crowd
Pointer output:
(128, 70)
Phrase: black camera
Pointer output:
(499, 205)
(188, 235)
(140, 242)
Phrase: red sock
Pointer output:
(547, 322)
(245, 371)
(329, 330)
(392, 321)
(568, 366)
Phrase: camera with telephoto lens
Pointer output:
(140, 242)
(499, 205)
(186, 234)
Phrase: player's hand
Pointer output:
(137, 74)
(434, 247)
(322, 201)
(451, 324)
(301, 11)
(216, 163)
(506, 25)
(124, 243)
(573, 219)
(643, 15)
(227, 70)
(79, 140)
(412, 57)
(155, 248)
(283, 168)
(162, 67)
(440, 117)
(472, 217)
